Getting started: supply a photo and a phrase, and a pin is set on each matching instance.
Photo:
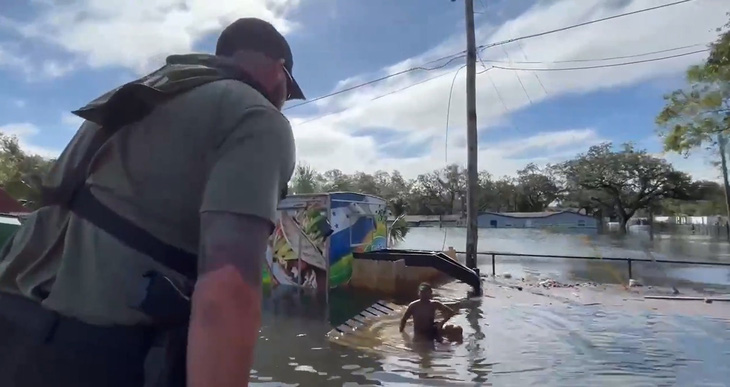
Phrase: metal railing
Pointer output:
(629, 261)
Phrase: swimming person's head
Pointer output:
(424, 291)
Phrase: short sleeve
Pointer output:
(252, 165)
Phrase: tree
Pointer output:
(699, 115)
(20, 172)
(626, 180)
(537, 188)
(306, 180)
(336, 181)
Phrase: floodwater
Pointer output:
(515, 344)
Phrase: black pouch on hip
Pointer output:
(166, 301)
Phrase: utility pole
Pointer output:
(722, 142)
(471, 139)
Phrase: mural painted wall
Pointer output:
(359, 224)
(312, 248)
(296, 255)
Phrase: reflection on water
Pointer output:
(510, 344)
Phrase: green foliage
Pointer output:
(20, 172)
(694, 116)
(625, 180)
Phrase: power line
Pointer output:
(515, 69)
(599, 66)
(373, 81)
(462, 54)
(448, 111)
(485, 46)
(604, 59)
(378, 97)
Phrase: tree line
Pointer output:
(604, 181)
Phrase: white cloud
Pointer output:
(25, 132)
(20, 103)
(32, 70)
(139, 34)
(72, 121)
(419, 112)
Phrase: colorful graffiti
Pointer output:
(315, 236)
(296, 252)
(359, 224)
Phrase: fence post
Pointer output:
(494, 270)
(630, 273)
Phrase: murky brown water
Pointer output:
(512, 344)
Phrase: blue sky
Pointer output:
(55, 57)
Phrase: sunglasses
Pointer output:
(290, 81)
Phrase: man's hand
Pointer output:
(447, 313)
(226, 304)
(406, 315)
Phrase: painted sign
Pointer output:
(315, 236)
(359, 224)
(296, 252)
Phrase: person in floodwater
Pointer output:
(423, 312)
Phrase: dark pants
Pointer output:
(38, 348)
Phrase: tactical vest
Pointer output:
(105, 115)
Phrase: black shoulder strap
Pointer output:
(112, 111)
(88, 207)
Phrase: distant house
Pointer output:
(561, 219)
(10, 206)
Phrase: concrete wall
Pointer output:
(392, 278)
(559, 219)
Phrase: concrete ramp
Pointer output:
(367, 317)
(421, 259)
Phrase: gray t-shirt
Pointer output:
(219, 147)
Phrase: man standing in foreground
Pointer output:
(198, 177)
(423, 311)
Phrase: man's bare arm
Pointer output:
(446, 312)
(226, 303)
(406, 315)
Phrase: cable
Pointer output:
(462, 54)
(448, 115)
(483, 47)
(373, 81)
(378, 97)
(448, 110)
(521, 69)
(600, 66)
(524, 54)
(519, 79)
(605, 59)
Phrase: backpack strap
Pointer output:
(88, 207)
(120, 107)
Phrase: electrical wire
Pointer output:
(519, 79)
(516, 69)
(374, 81)
(604, 59)
(462, 53)
(485, 46)
(599, 66)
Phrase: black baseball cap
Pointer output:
(258, 35)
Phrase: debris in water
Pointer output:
(549, 283)
(634, 283)
(507, 275)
